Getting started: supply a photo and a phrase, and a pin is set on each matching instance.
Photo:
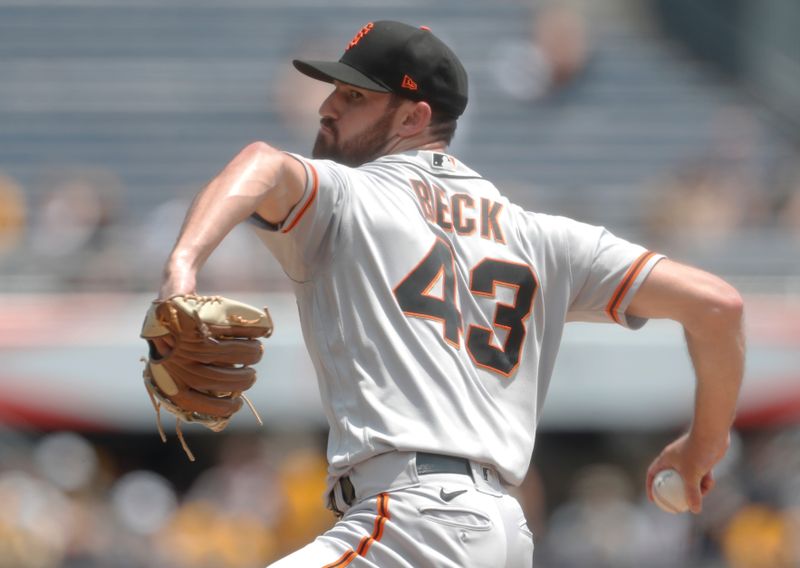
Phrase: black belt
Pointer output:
(437, 463)
(427, 464)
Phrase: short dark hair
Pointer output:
(443, 126)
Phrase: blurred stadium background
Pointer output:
(675, 123)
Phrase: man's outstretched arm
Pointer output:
(259, 179)
(711, 313)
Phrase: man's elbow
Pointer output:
(721, 311)
(258, 161)
(279, 179)
(259, 150)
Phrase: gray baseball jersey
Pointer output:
(433, 308)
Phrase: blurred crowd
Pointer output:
(73, 228)
(72, 501)
(77, 236)
(724, 191)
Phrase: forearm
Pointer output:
(256, 179)
(717, 354)
(711, 312)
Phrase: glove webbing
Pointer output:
(215, 424)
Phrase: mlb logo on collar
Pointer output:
(443, 161)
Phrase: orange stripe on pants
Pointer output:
(366, 542)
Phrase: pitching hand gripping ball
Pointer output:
(669, 492)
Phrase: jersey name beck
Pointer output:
(460, 212)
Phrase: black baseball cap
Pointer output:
(393, 57)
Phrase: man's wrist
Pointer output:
(702, 441)
(178, 278)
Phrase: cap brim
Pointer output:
(330, 71)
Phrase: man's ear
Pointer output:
(415, 118)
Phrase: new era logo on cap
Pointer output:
(408, 83)
(393, 57)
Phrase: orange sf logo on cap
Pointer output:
(364, 31)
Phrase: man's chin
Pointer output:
(323, 150)
(327, 152)
(346, 155)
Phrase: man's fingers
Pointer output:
(696, 492)
(694, 498)
(707, 483)
(651, 474)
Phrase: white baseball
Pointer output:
(669, 492)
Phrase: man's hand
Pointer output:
(694, 461)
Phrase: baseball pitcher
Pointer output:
(433, 308)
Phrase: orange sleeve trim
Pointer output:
(343, 561)
(366, 542)
(625, 285)
(308, 203)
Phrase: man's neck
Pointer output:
(414, 143)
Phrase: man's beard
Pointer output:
(365, 148)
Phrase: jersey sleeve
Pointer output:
(606, 271)
(305, 238)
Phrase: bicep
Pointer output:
(679, 292)
(287, 188)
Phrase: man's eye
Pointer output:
(355, 95)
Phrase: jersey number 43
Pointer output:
(416, 299)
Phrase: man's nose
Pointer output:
(328, 109)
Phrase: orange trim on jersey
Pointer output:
(314, 189)
(366, 542)
(431, 284)
(487, 230)
(425, 198)
(460, 226)
(442, 204)
(343, 561)
(453, 344)
(625, 285)
(492, 334)
(440, 277)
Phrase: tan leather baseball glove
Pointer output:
(201, 352)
